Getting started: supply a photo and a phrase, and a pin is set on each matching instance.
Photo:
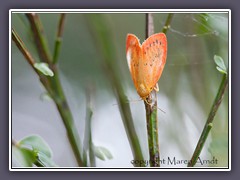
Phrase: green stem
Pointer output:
(91, 145)
(58, 41)
(152, 129)
(54, 88)
(39, 36)
(128, 124)
(167, 23)
(21, 46)
(88, 144)
(38, 164)
(151, 111)
(65, 113)
(23, 49)
(103, 41)
(209, 122)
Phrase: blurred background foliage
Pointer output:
(188, 86)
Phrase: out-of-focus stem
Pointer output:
(52, 84)
(39, 37)
(103, 40)
(58, 41)
(209, 122)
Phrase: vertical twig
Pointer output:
(151, 104)
(149, 25)
(39, 37)
(151, 111)
(209, 122)
(103, 40)
(167, 23)
(88, 144)
(58, 41)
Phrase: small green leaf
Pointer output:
(220, 64)
(106, 152)
(221, 70)
(37, 144)
(45, 160)
(44, 68)
(98, 153)
(23, 157)
(102, 152)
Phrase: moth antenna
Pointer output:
(161, 110)
(157, 106)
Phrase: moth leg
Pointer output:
(148, 99)
(156, 88)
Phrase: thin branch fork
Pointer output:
(39, 37)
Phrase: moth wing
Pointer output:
(154, 58)
(134, 54)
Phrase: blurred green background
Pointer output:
(188, 86)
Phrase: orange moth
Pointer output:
(146, 61)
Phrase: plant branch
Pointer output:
(149, 25)
(58, 41)
(88, 144)
(103, 41)
(54, 87)
(167, 23)
(21, 46)
(209, 122)
(39, 37)
(151, 111)
(23, 49)
(66, 115)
